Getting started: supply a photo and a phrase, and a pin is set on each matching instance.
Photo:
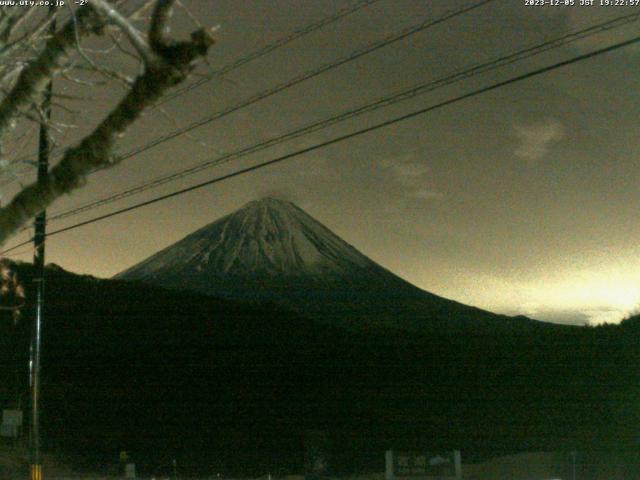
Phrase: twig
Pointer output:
(135, 37)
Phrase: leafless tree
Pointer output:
(31, 54)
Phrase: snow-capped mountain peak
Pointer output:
(265, 237)
(272, 250)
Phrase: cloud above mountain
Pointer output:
(536, 139)
(413, 176)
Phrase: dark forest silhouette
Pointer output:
(233, 387)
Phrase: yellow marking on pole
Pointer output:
(36, 472)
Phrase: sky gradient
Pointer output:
(523, 200)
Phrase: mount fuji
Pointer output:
(271, 250)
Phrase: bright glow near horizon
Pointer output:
(599, 297)
(602, 298)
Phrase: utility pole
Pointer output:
(38, 263)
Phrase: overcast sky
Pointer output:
(523, 200)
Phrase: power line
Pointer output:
(348, 136)
(268, 48)
(383, 102)
(354, 55)
(22, 252)
(373, 47)
(254, 55)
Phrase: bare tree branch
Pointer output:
(171, 64)
(135, 37)
(35, 76)
(159, 24)
(106, 72)
(118, 44)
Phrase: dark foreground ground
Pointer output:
(524, 466)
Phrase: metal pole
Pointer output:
(38, 263)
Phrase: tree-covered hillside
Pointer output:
(232, 387)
